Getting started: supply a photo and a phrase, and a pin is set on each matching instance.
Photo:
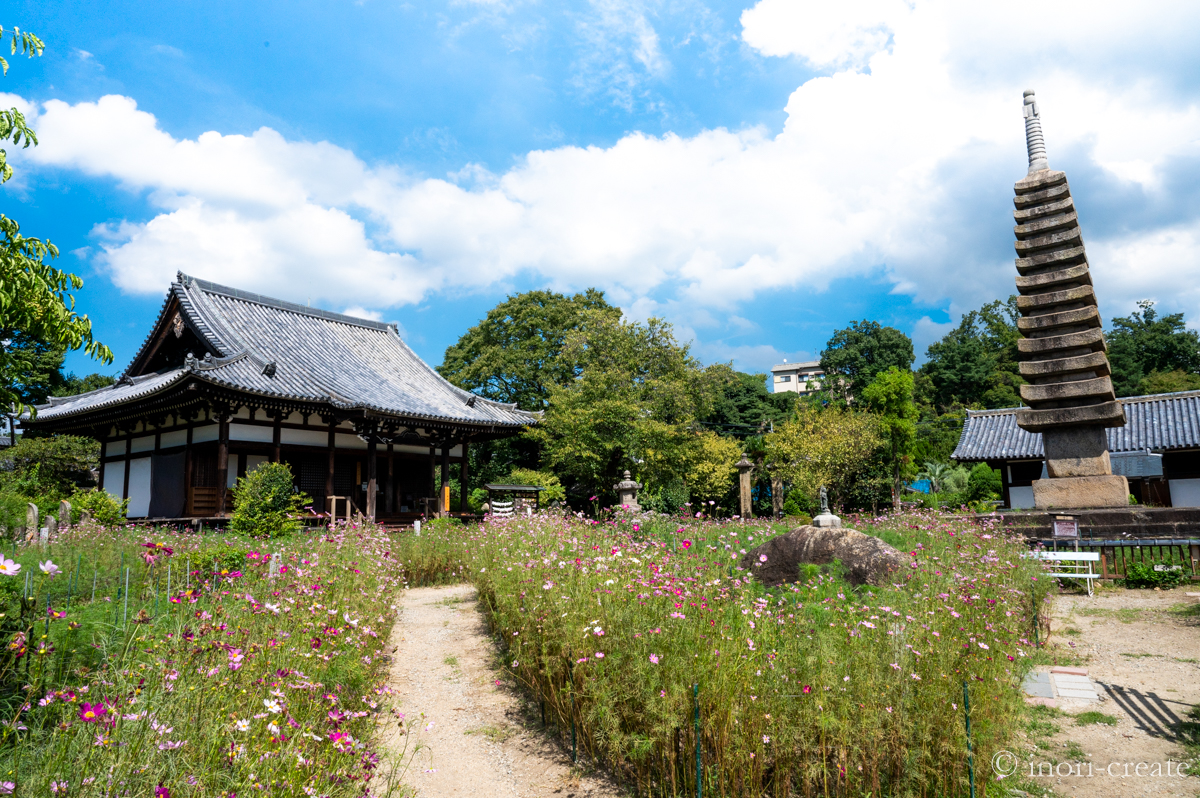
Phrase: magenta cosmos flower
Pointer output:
(93, 713)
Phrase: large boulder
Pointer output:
(866, 559)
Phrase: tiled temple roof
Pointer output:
(283, 351)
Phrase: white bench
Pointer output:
(1070, 564)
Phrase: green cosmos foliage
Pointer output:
(207, 676)
(816, 686)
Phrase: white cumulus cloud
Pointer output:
(898, 158)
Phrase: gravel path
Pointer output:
(1145, 661)
(474, 736)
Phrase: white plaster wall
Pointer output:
(349, 442)
(249, 432)
(139, 487)
(143, 444)
(203, 434)
(114, 449)
(1020, 498)
(176, 438)
(114, 478)
(253, 461)
(1184, 492)
(304, 437)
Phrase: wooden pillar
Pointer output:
(444, 494)
(432, 471)
(103, 449)
(188, 467)
(389, 491)
(463, 472)
(276, 434)
(372, 460)
(329, 470)
(222, 461)
(128, 454)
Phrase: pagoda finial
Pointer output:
(1033, 135)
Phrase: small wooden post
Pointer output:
(372, 458)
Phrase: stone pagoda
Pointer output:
(1063, 352)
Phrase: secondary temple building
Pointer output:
(1157, 451)
(228, 380)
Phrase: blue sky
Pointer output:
(759, 174)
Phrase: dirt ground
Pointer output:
(474, 736)
(1142, 649)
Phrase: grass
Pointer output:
(1128, 614)
(1093, 717)
(623, 626)
(1073, 631)
(1189, 660)
(1137, 655)
(496, 734)
(451, 660)
(205, 677)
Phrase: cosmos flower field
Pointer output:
(207, 676)
(623, 629)
(193, 665)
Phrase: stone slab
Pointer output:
(1069, 670)
(1037, 685)
(1078, 695)
(1105, 414)
(827, 521)
(1081, 492)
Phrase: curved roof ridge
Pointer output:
(292, 307)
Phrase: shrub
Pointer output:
(104, 507)
(1141, 575)
(799, 503)
(477, 499)
(554, 491)
(984, 484)
(265, 503)
(52, 467)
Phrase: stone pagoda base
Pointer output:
(1061, 493)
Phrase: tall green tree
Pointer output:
(890, 396)
(1144, 345)
(36, 302)
(854, 355)
(633, 406)
(975, 364)
(743, 407)
(516, 353)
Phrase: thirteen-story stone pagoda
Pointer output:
(1063, 352)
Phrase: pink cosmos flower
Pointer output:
(654, 659)
(93, 713)
(49, 569)
(687, 544)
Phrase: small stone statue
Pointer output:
(826, 520)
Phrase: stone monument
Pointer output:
(1063, 352)
(826, 520)
(627, 494)
(745, 488)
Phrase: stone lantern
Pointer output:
(627, 493)
(745, 504)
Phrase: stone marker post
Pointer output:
(1063, 352)
(745, 499)
(64, 513)
(32, 527)
(48, 531)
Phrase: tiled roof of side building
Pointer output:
(1158, 422)
(317, 357)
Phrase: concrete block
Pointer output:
(1069, 670)
(1081, 492)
